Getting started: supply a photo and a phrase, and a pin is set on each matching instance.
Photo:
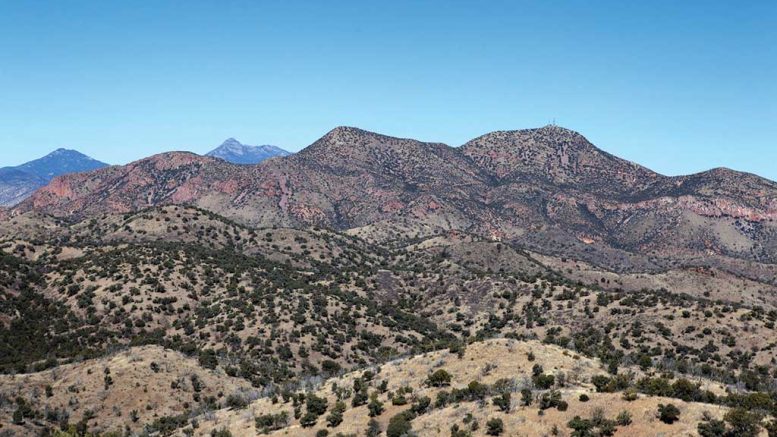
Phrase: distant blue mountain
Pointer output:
(18, 183)
(233, 151)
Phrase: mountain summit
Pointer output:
(232, 150)
(17, 183)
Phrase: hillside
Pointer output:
(276, 307)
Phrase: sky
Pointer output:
(678, 86)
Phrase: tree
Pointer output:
(335, 417)
(503, 402)
(399, 426)
(668, 413)
(375, 406)
(526, 397)
(315, 405)
(421, 405)
(580, 427)
(711, 428)
(440, 378)
(495, 427)
(308, 420)
(743, 423)
(373, 428)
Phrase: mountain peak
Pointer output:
(230, 142)
(18, 184)
(350, 134)
(232, 150)
(555, 154)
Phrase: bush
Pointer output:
(315, 405)
(584, 398)
(373, 428)
(580, 427)
(421, 405)
(624, 418)
(330, 367)
(399, 425)
(711, 428)
(308, 420)
(552, 399)
(375, 407)
(495, 427)
(335, 417)
(526, 397)
(668, 413)
(503, 402)
(440, 378)
(236, 402)
(743, 422)
(543, 382)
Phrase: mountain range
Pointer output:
(547, 189)
(17, 183)
(370, 283)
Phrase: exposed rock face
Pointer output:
(233, 151)
(18, 183)
(548, 189)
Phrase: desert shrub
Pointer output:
(375, 406)
(271, 422)
(335, 416)
(440, 378)
(495, 426)
(742, 422)
(399, 425)
(421, 405)
(503, 402)
(668, 413)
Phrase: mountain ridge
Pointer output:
(547, 188)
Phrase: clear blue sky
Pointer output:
(679, 86)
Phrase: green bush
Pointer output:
(399, 425)
(495, 426)
(440, 378)
(668, 413)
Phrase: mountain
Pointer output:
(547, 189)
(371, 283)
(235, 152)
(17, 183)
